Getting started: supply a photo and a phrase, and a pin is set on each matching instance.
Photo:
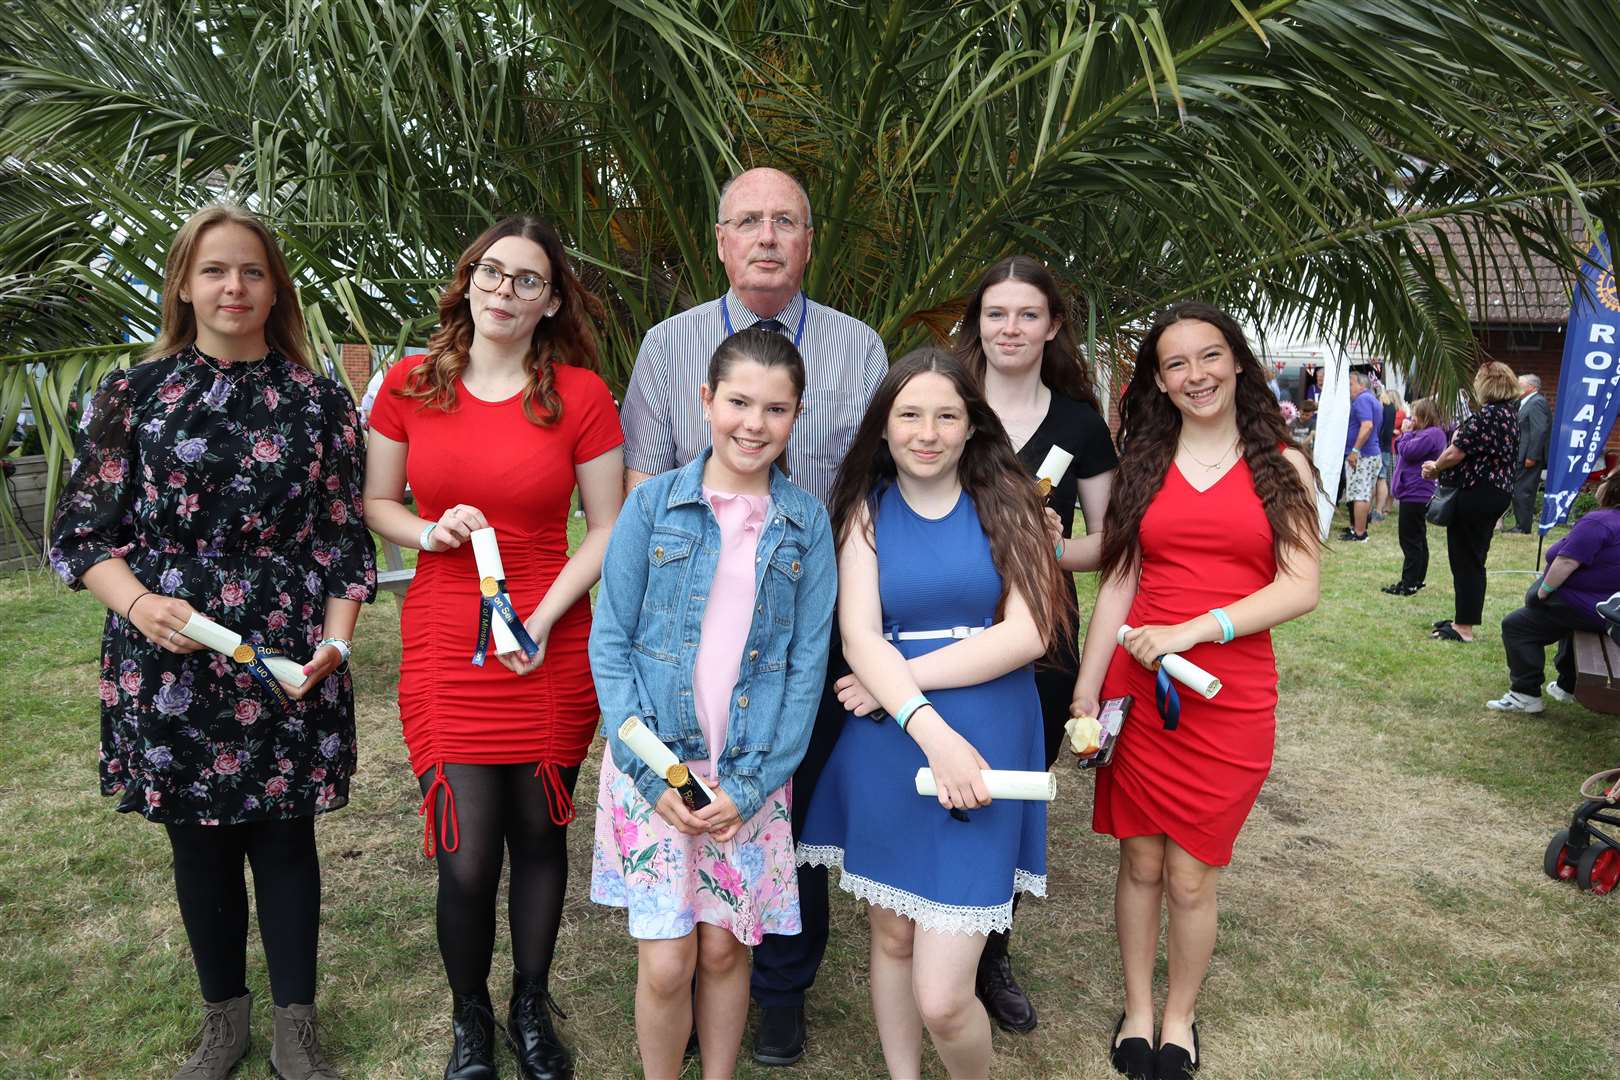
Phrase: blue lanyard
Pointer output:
(798, 335)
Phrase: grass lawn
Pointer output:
(1385, 915)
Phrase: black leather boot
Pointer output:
(540, 1053)
(472, 1056)
(1009, 1007)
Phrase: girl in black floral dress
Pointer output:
(222, 476)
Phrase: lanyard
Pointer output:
(798, 335)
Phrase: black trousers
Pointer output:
(1527, 632)
(209, 882)
(785, 965)
(1468, 542)
(1413, 529)
(1524, 498)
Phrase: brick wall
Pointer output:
(357, 366)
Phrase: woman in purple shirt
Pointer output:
(1421, 439)
(1583, 569)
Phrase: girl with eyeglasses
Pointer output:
(495, 427)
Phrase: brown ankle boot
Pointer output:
(296, 1053)
(224, 1040)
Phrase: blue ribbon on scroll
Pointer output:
(495, 600)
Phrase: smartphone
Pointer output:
(1112, 719)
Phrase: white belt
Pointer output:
(957, 632)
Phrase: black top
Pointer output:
(1490, 438)
(1386, 431)
(1077, 428)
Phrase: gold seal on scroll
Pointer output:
(1044, 486)
(678, 775)
(243, 653)
(489, 586)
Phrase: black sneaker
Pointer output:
(1347, 534)
(1356, 538)
(779, 1039)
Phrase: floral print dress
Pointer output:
(236, 487)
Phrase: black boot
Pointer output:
(540, 1053)
(998, 988)
(472, 1019)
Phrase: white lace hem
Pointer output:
(927, 914)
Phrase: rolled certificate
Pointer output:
(1182, 670)
(661, 760)
(205, 631)
(1053, 466)
(1001, 783)
(487, 553)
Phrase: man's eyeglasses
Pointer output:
(526, 286)
(749, 224)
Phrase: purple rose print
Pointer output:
(313, 582)
(190, 450)
(218, 393)
(329, 745)
(159, 757)
(173, 699)
(170, 581)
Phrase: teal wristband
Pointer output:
(911, 706)
(1058, 550)
(1228, 631)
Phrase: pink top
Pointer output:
(728, 616)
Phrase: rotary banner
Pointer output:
(1588, 385)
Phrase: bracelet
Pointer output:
(343, 648)
(1228, 631)
(425, 541)
(912, 705)
(132, 603)
(1058, 551)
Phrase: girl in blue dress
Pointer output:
(947, 593)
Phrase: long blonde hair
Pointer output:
(284, 330)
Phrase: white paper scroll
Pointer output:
(1054, 465)
(1001, 784)
(1184, 671)
(653, 753)
(487, 553)
(205, 631)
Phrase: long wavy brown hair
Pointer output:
(1150, 428)
(1010, 508)
(1061, 368)
(566, 337)
(284, 329)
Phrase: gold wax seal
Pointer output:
(1044, 486)
(678, 775)
(243, 653)
(489, 586)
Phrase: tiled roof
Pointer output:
(1499, 285)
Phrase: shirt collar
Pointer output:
(688, 490)
(742, 317)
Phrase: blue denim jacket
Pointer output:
(656, 575)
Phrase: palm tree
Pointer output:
(1291, 158)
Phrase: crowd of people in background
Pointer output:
(755, 514)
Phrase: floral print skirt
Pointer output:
(670, 882)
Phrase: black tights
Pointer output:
(212, 890)
(498, 805)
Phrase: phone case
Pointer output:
(1113, 715)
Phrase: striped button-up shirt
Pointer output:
(662, 415)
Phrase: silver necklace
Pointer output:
(1218, 461)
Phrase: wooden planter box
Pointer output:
(25, 491)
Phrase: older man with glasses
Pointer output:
(763, 236)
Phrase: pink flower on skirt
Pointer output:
(727, 879)
(625, 833)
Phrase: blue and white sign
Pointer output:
(1588, 385)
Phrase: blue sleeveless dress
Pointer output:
(900, 850)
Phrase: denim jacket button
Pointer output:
(753, 654)
(795, 566)
(742, 701)
(658, 553)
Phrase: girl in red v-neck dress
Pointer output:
(1211, 539)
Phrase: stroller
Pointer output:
(1584, 852)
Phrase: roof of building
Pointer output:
(1498, 284)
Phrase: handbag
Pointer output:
(1442, 508)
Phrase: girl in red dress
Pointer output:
(495, 427)
(1211, 537)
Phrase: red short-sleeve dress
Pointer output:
(488, 454)
(1196, 784)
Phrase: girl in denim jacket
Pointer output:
(712, 627)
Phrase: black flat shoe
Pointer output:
(1175, 1063)
(1132, 1057)
(779, 1039)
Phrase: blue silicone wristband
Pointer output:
(1228, 631)
(911, 706)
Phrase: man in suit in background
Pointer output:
(1535, 426)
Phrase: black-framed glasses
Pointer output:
(525, 286)
(749, 224)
